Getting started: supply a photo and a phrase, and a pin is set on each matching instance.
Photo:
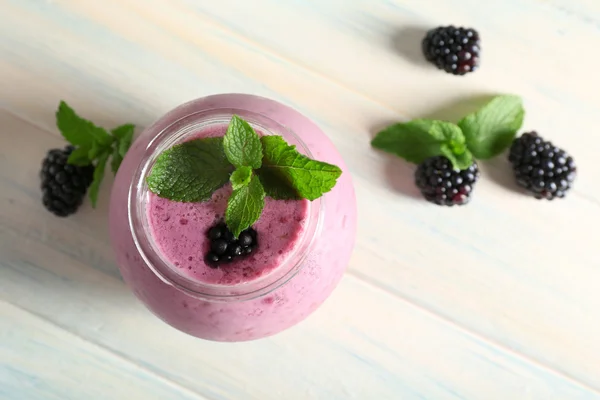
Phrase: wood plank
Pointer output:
(363, 343)
(41, 361)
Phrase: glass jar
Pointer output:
(249, 310)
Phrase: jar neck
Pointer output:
(179, 131)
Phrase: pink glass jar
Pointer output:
(248, 310)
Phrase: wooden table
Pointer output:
(495, 300)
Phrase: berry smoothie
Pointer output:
(302, 247)
(179, 230)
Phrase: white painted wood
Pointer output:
(496, 300)
(42, 361)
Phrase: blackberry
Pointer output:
(219, 246)
(246, 239)
(540, 167)
(212, 260)
(225, 248)
(441, 184)
(235, 250)
(216, 232)
(63, 185)
(455, 50)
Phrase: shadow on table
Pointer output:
(456, 109)
(500, 171)
(406, 41)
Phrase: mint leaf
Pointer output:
(455, 148)
(420, 139)
(124, 135)
(459, 161)
(242, 144)
(277, 186)
(241, 177)
(450, 132)
(123, 131)
(116, 160)
(97, 149)
(417, 140)
(245, 206)
(285, 170)
(492, 129)
(98, 177)
(80, 156)
(190, 171)
(79, 131)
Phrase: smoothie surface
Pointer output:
(179, 232)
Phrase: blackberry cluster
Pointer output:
(455, 50)
(64, 185)
(443, 185)
(540, 167)
(224, 247)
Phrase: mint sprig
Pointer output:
(80, 156)
(98, 178)
(256, 167)
(241, 177)
(483, 134)
(93, 145)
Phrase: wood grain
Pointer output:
(496, 300)
(42, 361)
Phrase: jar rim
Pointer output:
(171, 133)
